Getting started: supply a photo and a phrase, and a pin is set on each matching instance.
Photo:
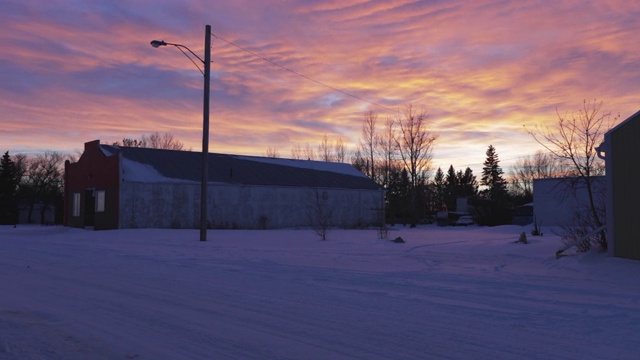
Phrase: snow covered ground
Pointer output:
(447, 293)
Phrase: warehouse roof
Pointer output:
(158, 165)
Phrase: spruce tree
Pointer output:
(452, 188)
(492, 176)
(8, 191)
(439, 189)
(467, 183)
(398, 196)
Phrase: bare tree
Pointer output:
(339, 150)
(540, 165)
(388, 148)
(574, 139)
(309, 154)
(324, 149)
(415, 144)
(368, 142)
(21, 165)
(297, 152)
(42, 182)
(154, 141)
(358, 161)
(128, 142)
(319, 213)
(163, 141)
(272, 152)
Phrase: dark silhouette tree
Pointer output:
(574, 140)
(324, 149)
(339, 150)
(439, 191)
(42, 183)
(452, 188)
(493, 207)
(272, 152)
(541, 165)
(467, 183)
(154, 141)
(492, 177)
(368, 143)
(458, 184)
(415, 144)
(398, 197)
(388, 149)
(358, 161)
(8, 191)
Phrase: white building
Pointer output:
(556, 200)
(113, 187)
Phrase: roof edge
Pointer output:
(630, 118)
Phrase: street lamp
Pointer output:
(205, 120)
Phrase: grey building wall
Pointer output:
(555, 203)
(622, 154)
(177, 205)
(36, 214)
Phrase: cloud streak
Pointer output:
(74, 71)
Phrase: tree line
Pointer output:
(396, 154)
(34, 185)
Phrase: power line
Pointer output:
(304, 76)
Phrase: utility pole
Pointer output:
(205, 134)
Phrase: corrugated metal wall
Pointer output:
(625, 165)
(556, 201)
(176, 205)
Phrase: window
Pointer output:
(99, 194)
(76, 204)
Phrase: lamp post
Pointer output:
(205, 120)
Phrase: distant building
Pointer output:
(556, 200)
(621, 150)
(39, 214)
(523, 214)
(113, 187)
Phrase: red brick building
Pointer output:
(94, 177)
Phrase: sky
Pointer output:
(75, 71)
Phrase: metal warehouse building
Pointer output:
(112, 187)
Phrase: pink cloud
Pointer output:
(482, 70)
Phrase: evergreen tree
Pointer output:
(8, 191)
(452, 188)
(398, 197)
(492, 176)
(439, 190)
(468, 185)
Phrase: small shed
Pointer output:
(621, 150)
(112, 187)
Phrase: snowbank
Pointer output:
(447, 293)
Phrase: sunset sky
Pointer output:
(75, 71)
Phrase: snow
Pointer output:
(336, 167)
(447, 293)
(138, 172)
